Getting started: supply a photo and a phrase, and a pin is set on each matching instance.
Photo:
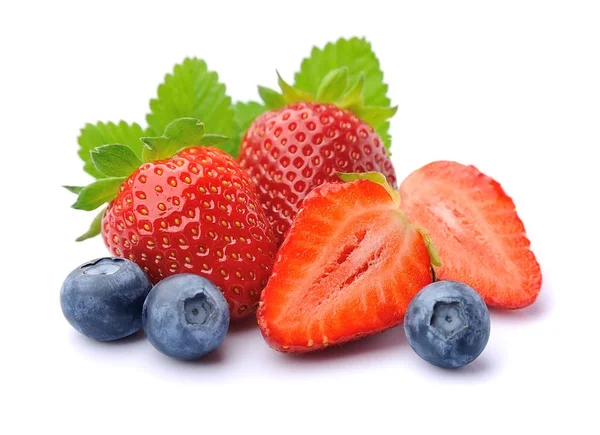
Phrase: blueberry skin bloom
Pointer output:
(103, 299)
(185, 316)
(447, 324)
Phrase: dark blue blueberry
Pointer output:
(185, 316)
(103, 299)
(447, 324)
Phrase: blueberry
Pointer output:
(447, 324)
(185, 316)
(103, 298)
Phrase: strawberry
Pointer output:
(475, 226)
(305, 141)
(195, 212)
(349, 267)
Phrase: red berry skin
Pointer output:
(290, 151)
(197, 212)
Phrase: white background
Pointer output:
(512, 87)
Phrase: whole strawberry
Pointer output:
(305, 141)
(188, 211)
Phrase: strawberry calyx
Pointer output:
(179, 134)
(117, 162)
(434, 256)
(375, 177)
(379, 178)
(335, 88)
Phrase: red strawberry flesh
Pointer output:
(476, 229)
(348, 268)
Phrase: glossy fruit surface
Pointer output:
(291, 150)
(196, 212)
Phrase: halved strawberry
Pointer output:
(477, 231)
(348, 268)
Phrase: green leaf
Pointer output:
(375, 115)
(94, 229)
(272, 98)
(375, 177)
(192, 91)
(245, 114)
(213, 139)
(357, 55)
(115, 160)
(74, 189)
(333, 86)
(94, 135)
(355, 96)
(292, 94)
(99, 192)
(179, 134)
(384, 133)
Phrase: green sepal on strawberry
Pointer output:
(183, 133)
(304, 140)
(336, 89)
(185, 207)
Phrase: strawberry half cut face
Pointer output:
(475, 226)
(348, 268)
